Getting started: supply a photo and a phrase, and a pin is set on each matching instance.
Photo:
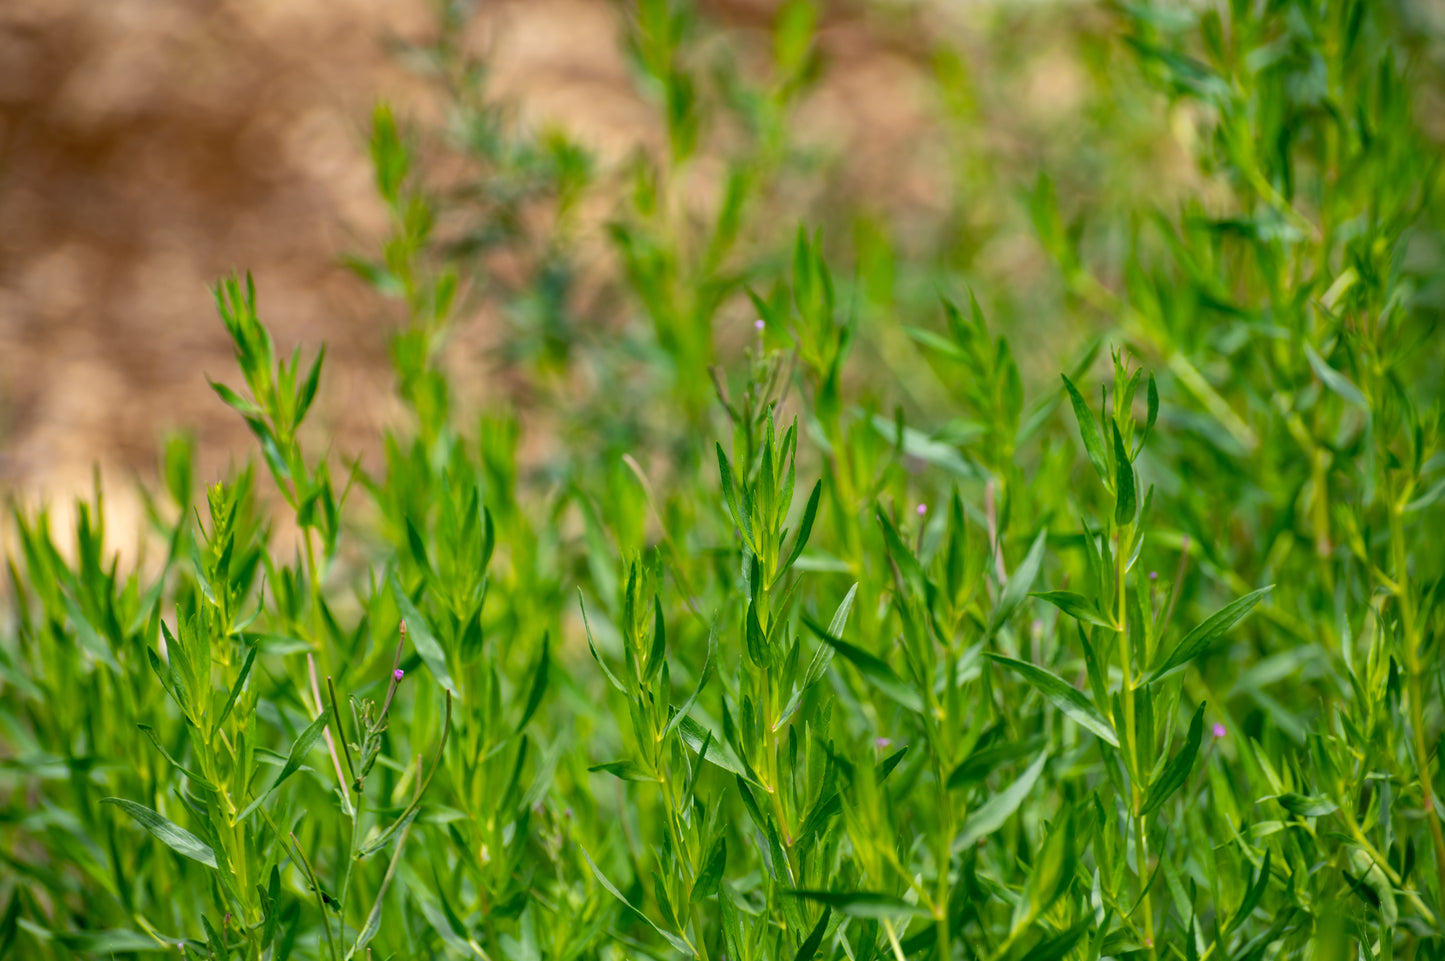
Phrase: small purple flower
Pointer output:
(1220, 730)
(922, 509)
(398, 674)
(882, 743)
(759, 324)
(1153, 576)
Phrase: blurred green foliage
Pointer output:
(819, 620)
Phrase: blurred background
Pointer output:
(148, 147)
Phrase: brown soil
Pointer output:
(149, 147)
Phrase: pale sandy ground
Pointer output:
(147, 147)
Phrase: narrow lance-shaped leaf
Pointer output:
(1062, 695)
(299, 749)
(658, 651)
(818, 666)
(611, 889)
(759, 651)
(1076, 606)
(1089, 432)
(864, 904)
(998, 809)
(236, 687)
(1337, 382)
(1126, 501)
(1253, 896)
(1019, 583)
(422, 638)
(1201, 637)
(805, 529)
(902, 555)
(809, 948)
(712, 872)
(592, 646)
(874, 669)
(177, 838)
(742, 517)
(702, 678)
(539, 683)
(695, 736)
(1177, 770)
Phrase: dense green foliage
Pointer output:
(845, 636)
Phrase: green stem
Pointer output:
(1123, 544)
(1416, 688)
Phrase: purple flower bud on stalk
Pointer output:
(398, 674)
(922, 509)
(1220, 730)
(881, 742)
(1153, 576)
(759, 324)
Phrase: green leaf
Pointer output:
(177, 838)
(234, 400)
(1126, 501)
(1201, 637)
(111, 941)
(294, 761)
(624, 770)
(202, 782)
(902, 555)
(592, 646)
(302, 747)
(1253, 896)
(1176, 772)
(1307, 806)
(874, 670)
(1075, 605)
(731, 927)
(658, 653)
(805, 530)
(823, 657)
(214, 941)
(1151, 408)
(611, 889)
(758, 649)
(929, 450)
(1052, 871)
(1058, 947)
(864, 904)
(1372, 879)
(702, 678)
(1337, 382)
(307, 392)
(1089, 432)
(809, 948)
(992, 814)
(694, 735)
(710, 876)
(740, 517)
(422, 638)
(982, 762)
(236, 687)
(1063, 695)
(539, 683)
(1019, 583)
